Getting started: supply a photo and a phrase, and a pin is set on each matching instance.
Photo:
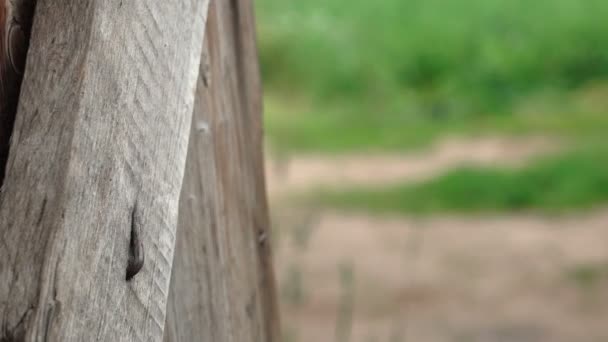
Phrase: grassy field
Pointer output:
(397, 74)
(368, 255)
(577, 179)
(341, 131)
(363, 76)
(394, 252)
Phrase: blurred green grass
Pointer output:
(341, 131)
(577, 179)
(343, 76)
(589, 276)
(363, 76)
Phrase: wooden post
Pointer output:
(223, 283)
(95, 169)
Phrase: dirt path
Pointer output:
(488, 279)
(485, 279)
(305, 172)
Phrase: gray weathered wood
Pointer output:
(102, 128)
(223, 286)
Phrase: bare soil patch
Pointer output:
(310, 171)
(528, 278)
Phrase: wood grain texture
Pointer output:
(102, 124)
(223, 287)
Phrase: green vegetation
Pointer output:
(346, 132)
(575, 180)
(345, 76)
(588, 276)
(393, 74)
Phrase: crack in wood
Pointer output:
(15, 27)
(17, 333)
(42, 209)
(136, 247)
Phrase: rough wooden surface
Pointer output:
(102, 128)
(223, 286)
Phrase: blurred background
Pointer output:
(438, 169)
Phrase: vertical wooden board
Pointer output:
(223, 286)
(100, 140)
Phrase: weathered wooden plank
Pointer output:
(100, 140)
(223, 285)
